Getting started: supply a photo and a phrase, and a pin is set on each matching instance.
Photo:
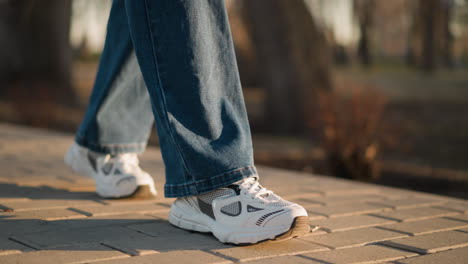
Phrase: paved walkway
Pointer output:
(50, 215)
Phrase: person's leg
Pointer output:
(186, 55)
(118, 119)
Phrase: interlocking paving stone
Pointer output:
(61, 237)
(459, 207)
(11, 247)
(353, 238)
(263, 250)
(431, 243)
(409, 203)
(63, 255)
(158, 228)
(170, 242)
(367, 254)
(180, 256)
(9, 227)
(46, 204)
(46, 214)
(350, 222)
(115, 209)
(352, 208)
(339, 199)
(339, 189)
(426, 226)
(414, 214)
(453, 256)
(27, 185)
(312, 215)
(107, 220)
(460, 217)
(284, 260)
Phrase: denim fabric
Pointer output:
(186, 57)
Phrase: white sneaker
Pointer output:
(116, 176)
(241, 213)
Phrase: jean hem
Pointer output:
(209, 184)
(114, 148)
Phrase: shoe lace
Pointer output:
(251, 187)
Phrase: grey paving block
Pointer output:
(268, 249)
(414, 214)
(431, 243)
(46, 214)
(353, 238)
(350, 222)
(409, 202)
(343, 189)
(366, 254)
(180, 256)
(426, 226)
(352, 208)
(346, 198)
(8, 247)
(454, 256)
(9, 226)
(463, 217)
(107, 220)
(63, 255)
(136, 246)
(46, 204)
(122, 208)
(158, 228)
(461, 207)
(284, 260)
(61, 237)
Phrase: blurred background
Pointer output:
(370, 90)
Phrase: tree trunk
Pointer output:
(429, 42)
(294, 58)
(36, 56)
(432, 36)
(364, 10)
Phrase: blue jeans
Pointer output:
(186, 58)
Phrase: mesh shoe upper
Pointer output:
(246, 203)
(115, 175)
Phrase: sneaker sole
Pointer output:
(299, 227)
(200, 223)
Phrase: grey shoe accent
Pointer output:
(251, 209)
(206, 208)
(233, 209)
(92, 161)
(263, 218)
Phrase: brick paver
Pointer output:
(350, 222)
(414, 214)
(366, 254)
(459, 207)
(70, 254)
(426, 226)
(353, 238)
(431, 243)
(180, 256)
(11, 247)
(54, 216)
(346, 209)
(265, 250)
(409, 202)
(454, 256)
